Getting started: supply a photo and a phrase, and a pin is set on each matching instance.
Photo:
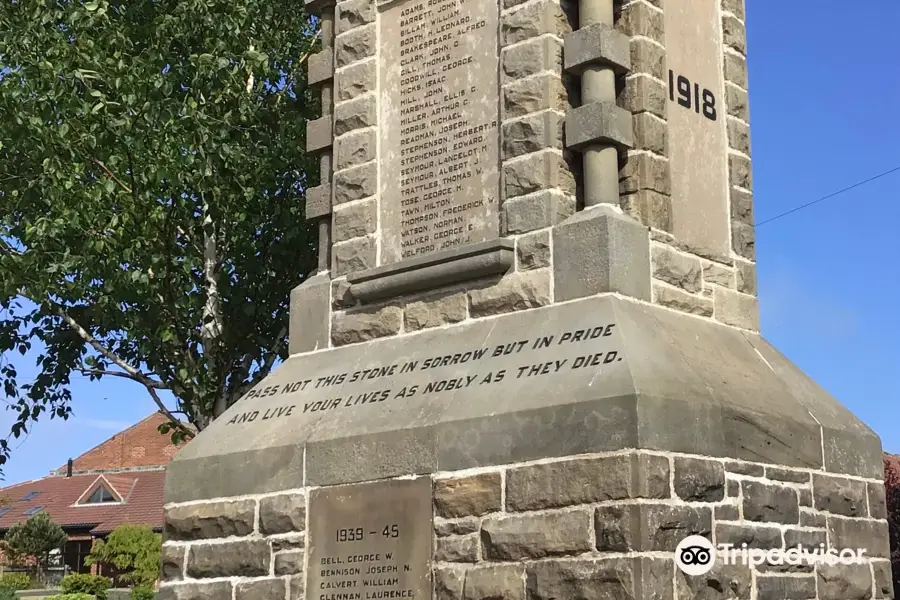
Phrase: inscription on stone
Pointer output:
(370, 541)
(440, 115)
(697, 140)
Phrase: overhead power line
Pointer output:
(832, 195)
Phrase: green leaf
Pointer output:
(91, 6)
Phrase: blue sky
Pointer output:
(824, 116)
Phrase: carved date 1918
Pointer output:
(704, 101)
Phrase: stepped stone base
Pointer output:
(616, 429)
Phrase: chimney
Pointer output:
(69, 468)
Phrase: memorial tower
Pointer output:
(529, 362)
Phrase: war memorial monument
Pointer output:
(529, 363)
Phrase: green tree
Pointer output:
(133, 549)
(152, 179)
(35, 538)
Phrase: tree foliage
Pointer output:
(132, 549)
(34, 539)
(152, 181)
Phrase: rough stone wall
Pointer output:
(598, 526)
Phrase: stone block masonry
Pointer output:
(592, 526)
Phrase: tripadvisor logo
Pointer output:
(695, 555)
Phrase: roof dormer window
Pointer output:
(100, 496)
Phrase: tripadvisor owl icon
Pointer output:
(695, 555)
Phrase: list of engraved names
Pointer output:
(440, 118)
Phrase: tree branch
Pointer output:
(99, 372)
(162, 408)
(263, 370)
(111, 175)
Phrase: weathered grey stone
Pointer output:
(248, 558)
(532, 133)
(739, 136)
(308, 325)
(436, 310)
(265, 589)
(600, 250)
(781, 567)
(679, 300)
(812, 519)
(356, 80)
(742, 205)
(210, 520)
(735, 7)
(532, 57)
(732, 488)
(648, 527)
(597, 44)
(340, 294)
(650, 133)
(355, 114)
(649, 207)
(517, 291)
(297, 588)
(877, 506)
(737, 103)
(588, 480)
(743, 239)
(649, 58)
(739, 310)
(172, 563)
(644, 94)
(727, 512)
(606, 579)
(789, 475)
(533, 20)
(736, 69)
(740, 172)
(355, 183)
(457, 548)
(354, 149)
(804, 497)
(638, 19)
(289, 563)
(354, 13)
(803, 537)
(318, 201)
(744, 468)
(535, 211)
(445, 527)
(448, 583)
(755, 536)
(354, 220)
(746, 277)
(699, 480)
(844, 582)
(219, 590)
(541, 92)
(858, 533)
(725, 582)
(533, 251)
(357, 44)
(294, 542)
(474, 495)
(537, 172)
(734, 34)
(320, 67)
(495, 582)
(884, 585)
(770, 503)
(318, 134)
(536, 536)
(352, 327)
(600, 123)
(785, 588)
(645, 171)
(718, 274)
(677, 269)
(839, 495)
(353, 256)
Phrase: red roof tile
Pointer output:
(58, 496)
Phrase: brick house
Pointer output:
(118, 481)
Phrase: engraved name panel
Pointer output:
(370, 541)
(439, 102)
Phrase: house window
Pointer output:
(3, 511)
(33, 510)
(101, 495)
(29, 496)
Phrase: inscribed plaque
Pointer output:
(698, 153)
(370, 541)
(440, 105)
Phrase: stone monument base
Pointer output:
(558, 453)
